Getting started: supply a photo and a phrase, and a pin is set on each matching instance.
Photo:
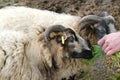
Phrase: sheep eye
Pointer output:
(58, 39)
(71, 38)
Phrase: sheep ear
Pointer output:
(50, 31)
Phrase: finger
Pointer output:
(107, 49)
(112, 51)
(101, 41)
(104, 46)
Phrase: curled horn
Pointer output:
(54, 28)
(90, 19)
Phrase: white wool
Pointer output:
(19, 17)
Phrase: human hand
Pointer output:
(110, 43)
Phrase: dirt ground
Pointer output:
(75, 7)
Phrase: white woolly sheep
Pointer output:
(21, 18)
(35, 54)
(12, 17)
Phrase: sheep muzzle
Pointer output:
(86, 54)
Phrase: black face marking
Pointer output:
(86, 54)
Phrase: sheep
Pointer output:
(21, 18)
(94, 27)
(36, 53)
(18, 17)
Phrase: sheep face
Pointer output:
(65, 40)
(105, 26)
(94, 27)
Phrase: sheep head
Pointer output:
(65, 40)
(94, 27)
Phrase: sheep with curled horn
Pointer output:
(20, 17)
(25, 55)
(68, 65)
(94, 27)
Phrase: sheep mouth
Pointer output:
(86, 54)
